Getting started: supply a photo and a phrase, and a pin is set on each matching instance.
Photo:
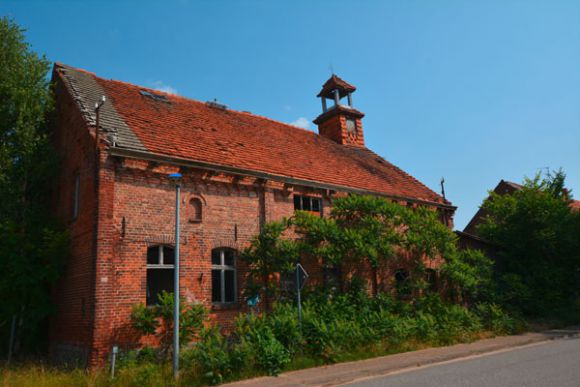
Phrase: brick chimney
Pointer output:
(341, 123)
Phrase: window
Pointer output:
(442, 216)
(76, 196)
(431, 279)
(332, 276)
(307, 203)
(402, 282)
(196, 208)
(160, 269)
(223, 276)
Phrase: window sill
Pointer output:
(228, 306)
(315, 213)
(196, 221)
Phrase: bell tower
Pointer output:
(340, 122)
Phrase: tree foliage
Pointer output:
(158, 320)
(368, 230)
(269, 254)
(32, 247)
(538, 239)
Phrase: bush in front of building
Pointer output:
(157, 321)
(336, 328)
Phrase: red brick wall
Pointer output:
(335, 129)
(71, 327)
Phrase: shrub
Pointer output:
(158, 320)
(270, 354)
(210, 355)
(497, 320)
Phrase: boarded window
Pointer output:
(196, 210)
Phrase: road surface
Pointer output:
(554, 363)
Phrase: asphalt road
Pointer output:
(554, 363)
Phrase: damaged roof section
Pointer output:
(86, 91)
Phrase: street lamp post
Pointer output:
(176, 178)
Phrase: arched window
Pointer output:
(223, 276)
(196, 210)
(402, 282)
(160, 269)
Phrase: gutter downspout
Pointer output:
(93, 287)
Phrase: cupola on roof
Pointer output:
(336, 83)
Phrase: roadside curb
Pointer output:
(343, 373)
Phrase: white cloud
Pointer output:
(161, 86)
(301, 122)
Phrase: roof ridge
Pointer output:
(63, 65)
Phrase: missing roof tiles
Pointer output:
(215, 104)
(154, 96)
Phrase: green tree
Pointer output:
(31, 245)
(269, 254)
(157, 321)
(370, 231)
(538, 240)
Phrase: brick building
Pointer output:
(239, 171)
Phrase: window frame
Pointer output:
(158, 266)
(431, 277)
(402, 278)
(311, 199)
(222, 268)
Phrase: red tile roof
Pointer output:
(575, 205)
(193, 130)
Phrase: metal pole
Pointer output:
(298, 293)
(176, 176)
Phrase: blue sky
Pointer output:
(474, 91)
